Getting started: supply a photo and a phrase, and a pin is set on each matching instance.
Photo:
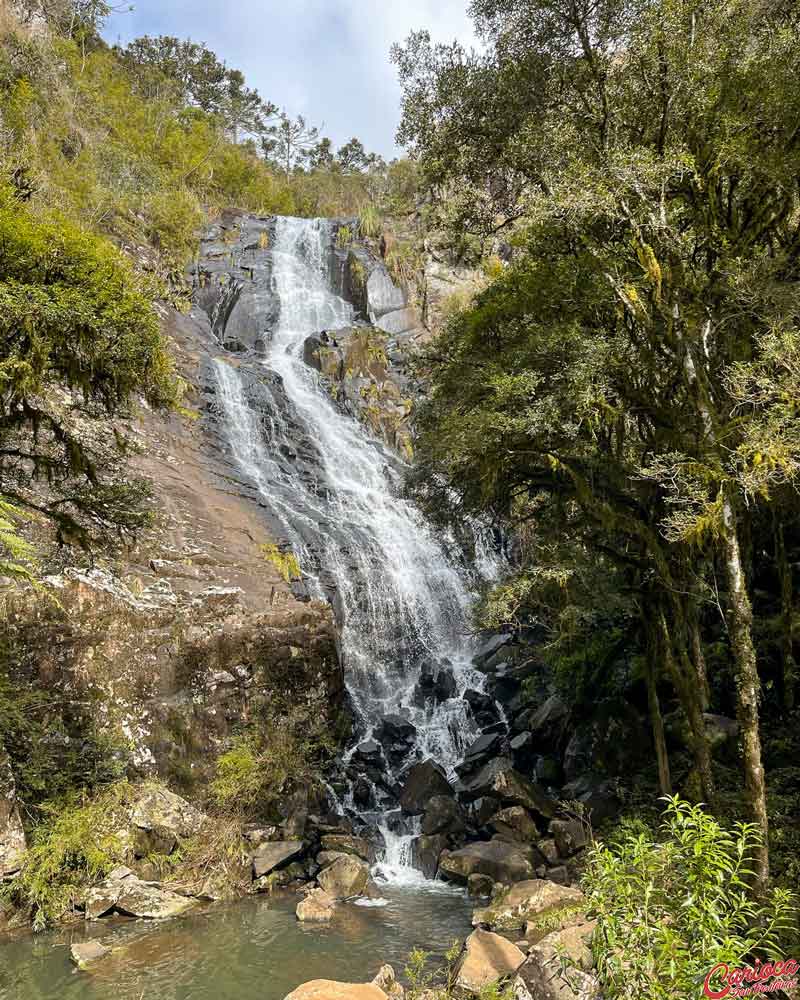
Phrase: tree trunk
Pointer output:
(698, 656)
(787, 617)
(740, 621)
(657, 723)
(683, 677)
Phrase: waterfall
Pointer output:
(402, 592)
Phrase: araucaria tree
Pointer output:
(637, 366)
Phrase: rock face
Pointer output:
(420, 784)
(317, 907)
(345, 878)
(12, 835)
(529, 902)
(503, 861)
(270, 856)
(328, 989)
(486, 958)
(543, 977)
(122, 892)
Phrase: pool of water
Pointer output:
(252, 950)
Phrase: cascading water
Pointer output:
(402, 592)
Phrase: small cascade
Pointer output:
(402, 592)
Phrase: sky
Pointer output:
(325, 59)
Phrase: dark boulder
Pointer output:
(489, 647)
(436, 681)
(482, 750)
(419, 785)
(514, 824)
(397, 736)
(615, 741)
(483, 707)
(546, 723)
(369, 752)
(549, 771)
(597, 794)
(498, 779)
(443, 815)
(425, 852)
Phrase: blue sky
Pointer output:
(325, 59)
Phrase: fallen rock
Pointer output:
(479, 886)
(328, 989)
(267, 857)
(442, 815)
(160, 818)
(514, 823)
(346, 877)
(317, 907)
(425, 853)
(499, 780)
(421, 783)
(483, 707)
(486, 958)
(544, 975)
(347, 844)
(84, 953)
(570, 836)
(122, 892)
(387, 981)
(526, 903)
(501, 860)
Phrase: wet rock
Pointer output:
(436, 681)
(396, 735)
(318, 906)
(483, 707)
(420, 783)
(480, 886)
(514, 823)
(122, 892)
(270, 856)
(12, 834)
(531, 902)
(160, 818)
(326, 858)
(489, 647)
(425, 853)
(503, 861)
(443, 815)
(481, 810)
(329, 989)
(86, 953)
(486, 959)
(349, 844)
(369, 752)
(345, 878)
(544, 975)
(483, 749)
(570, 836)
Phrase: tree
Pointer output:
(640, 357)
(79, 341)
(352, 158)
(289, 142)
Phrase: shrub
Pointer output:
(370, 224)
(285, 562)
(73, 847)
(668, 910)
(285, 751)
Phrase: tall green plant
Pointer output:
(669, 909)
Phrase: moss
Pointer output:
(285, 562)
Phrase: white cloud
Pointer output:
(326, 59)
